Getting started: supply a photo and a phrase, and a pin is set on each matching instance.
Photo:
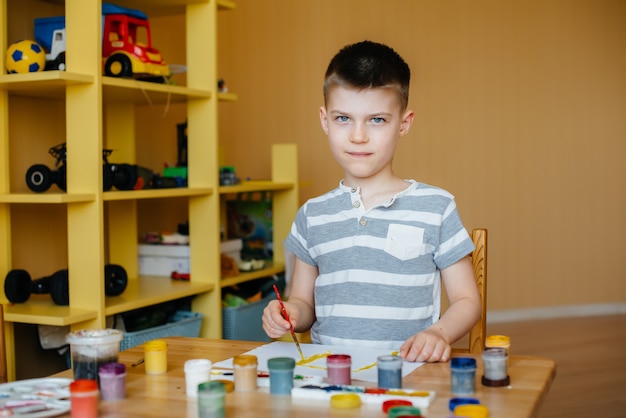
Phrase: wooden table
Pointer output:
(164, 395)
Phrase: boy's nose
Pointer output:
(359, 134)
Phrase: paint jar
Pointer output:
(245, 371)
(499, 341)
(155, 356)
(389, 372)
(338, 369)
(281, 375)
(495, 367)
(196, 371)
(112, 381)
(471, 411)
(462, 375)
(211, 400)
(84, 398)
(93, 348)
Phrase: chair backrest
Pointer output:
(477, 334)
(3, 355)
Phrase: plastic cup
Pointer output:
(196, 371)
(93, 348)
(462, 375)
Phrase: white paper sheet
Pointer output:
(361, 358)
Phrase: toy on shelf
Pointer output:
(126, 44)
(25, 56)
(18, 285)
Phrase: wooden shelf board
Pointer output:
(147, 93)
(156, 193)
(269, 270)
(227, 97)
(42, 310)
(47, 197)
(150, 290)
(45, 84)
(255, 186)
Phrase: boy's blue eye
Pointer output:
(378, 120)
(342, 118)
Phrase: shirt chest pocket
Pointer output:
(405, 242)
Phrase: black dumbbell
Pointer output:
(18, 285)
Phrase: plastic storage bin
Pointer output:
(184, 324)
(244, 322)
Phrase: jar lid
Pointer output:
(463, 363)
(402, 410)
(281, 363)
(95, 336)
(345, 401)
(498, 341)
(112, 369)
(387, 405)
(155, 345)
(245, 360)
(454, 402)
(83, 385)
(212, 386)
(339, 359)
(472, 411)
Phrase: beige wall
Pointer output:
(520, 113)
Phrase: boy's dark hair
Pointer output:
(368, 64)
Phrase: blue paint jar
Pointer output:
(281, 375)
(462, 375)
(211, 402)
(389, 372)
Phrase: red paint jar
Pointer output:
(338, 367)
(84, 398)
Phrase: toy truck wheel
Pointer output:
(124, 176)
(118, 65)
(107, 178)
(59, 288)
(17, 286)
(60, 178)
(115, 279)
(39, 178)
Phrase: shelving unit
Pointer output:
(102, 226)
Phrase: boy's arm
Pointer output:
(433, 344)
(300, 305)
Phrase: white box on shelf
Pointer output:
(162, 260)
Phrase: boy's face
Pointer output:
(363, 127)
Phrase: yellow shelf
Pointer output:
(156, 193)
(45, 84)
(147, 291)
(47, 197)
(40, 309)
(227, 97)
(256, 186)
(269, 270)
(144, 92)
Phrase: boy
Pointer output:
(370, 255)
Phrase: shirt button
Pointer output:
(353, 190)
(363, 221)
(356, 204)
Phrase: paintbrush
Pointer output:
(286, 316)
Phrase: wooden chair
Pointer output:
(478, 333)
(3, 355)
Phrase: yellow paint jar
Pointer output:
(155, 356)
(245, 371)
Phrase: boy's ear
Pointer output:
(407, 121)
(323, 119)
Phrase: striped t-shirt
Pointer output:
(379, 280)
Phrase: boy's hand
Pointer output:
(428, 346)
(274, 325)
